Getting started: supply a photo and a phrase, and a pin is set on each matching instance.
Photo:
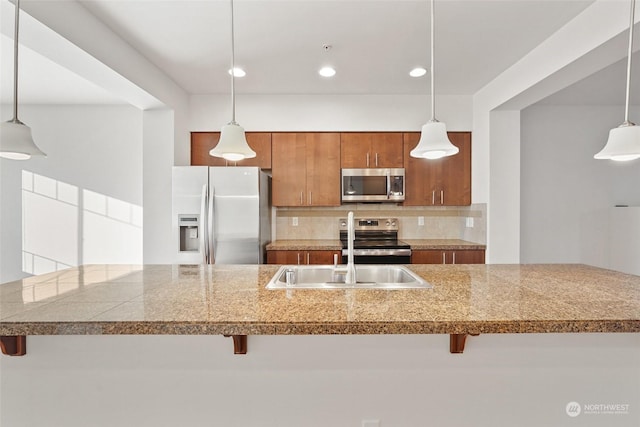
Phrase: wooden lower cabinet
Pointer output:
(434, 256)
(303, 257)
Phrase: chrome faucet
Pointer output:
(350, 278)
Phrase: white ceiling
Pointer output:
(279, 44)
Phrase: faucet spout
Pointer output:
(350, 277)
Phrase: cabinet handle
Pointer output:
(442, 197)
(335, 260)
(308, 258)
(298, 258)
(454, 258)
(301, 195)
(310, 198)
(433, 197)
(367, 159)
(444, 257)
(376, 159)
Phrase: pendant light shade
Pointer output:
(434, 142)
(233, 144)
(623, 144)
(624, 141)
(16, 142)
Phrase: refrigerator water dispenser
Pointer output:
(189, 232)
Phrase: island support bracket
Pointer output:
(239, 343)
(13, 345)
(457, 342)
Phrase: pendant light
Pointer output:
(16, 142)
(434, 142)
(624, 141)
(233, 144)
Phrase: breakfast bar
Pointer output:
(233, 301)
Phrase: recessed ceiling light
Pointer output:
(418, 72)
(238, 72)
(327, 72)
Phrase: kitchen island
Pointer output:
(232, 300)
(143, 346)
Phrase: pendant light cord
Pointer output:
(433, 77)
(233, 72)
(631, 23)
(15, 64)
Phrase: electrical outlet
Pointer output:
(294, 221)
(370, 423)
(420, 220)
(470, 222)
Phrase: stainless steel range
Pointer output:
(376, 242)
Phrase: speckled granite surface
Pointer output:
(443, 244)
(166, 299)
(334, 245)
(305, 245)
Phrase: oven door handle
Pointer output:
(379, 252)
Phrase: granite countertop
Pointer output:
(232, 300)
(335, 245)
(443, 244)
(305, 245)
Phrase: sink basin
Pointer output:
(330, 277)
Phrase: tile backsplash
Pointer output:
(449, 222)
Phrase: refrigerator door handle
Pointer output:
(210, 227)
(204, 238)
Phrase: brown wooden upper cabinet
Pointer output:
(305, 169)
(441, 182)
(203, 142)
(371, 150)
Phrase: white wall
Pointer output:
(565, 192)
(158, 147)
(80, 204)
(503, 227)
(523, 380)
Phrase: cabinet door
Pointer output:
(387, 150)
(355, 150)
(439, 182)
(324, 257)
(420, 175)
(427, 257)
(203, 142)
(285, 257)
(289, 174)
(323, 169)
(437, 256)
(468, 257)
(371, 150)
(455, 172)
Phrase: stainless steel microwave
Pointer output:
(373, 185)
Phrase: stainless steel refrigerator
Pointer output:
(221, 215)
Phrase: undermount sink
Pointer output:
(332, 277)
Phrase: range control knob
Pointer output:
(388, 223)
(343, 224)
(393, 223)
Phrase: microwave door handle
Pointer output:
(388, 185)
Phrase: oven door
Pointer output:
(379, 256)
